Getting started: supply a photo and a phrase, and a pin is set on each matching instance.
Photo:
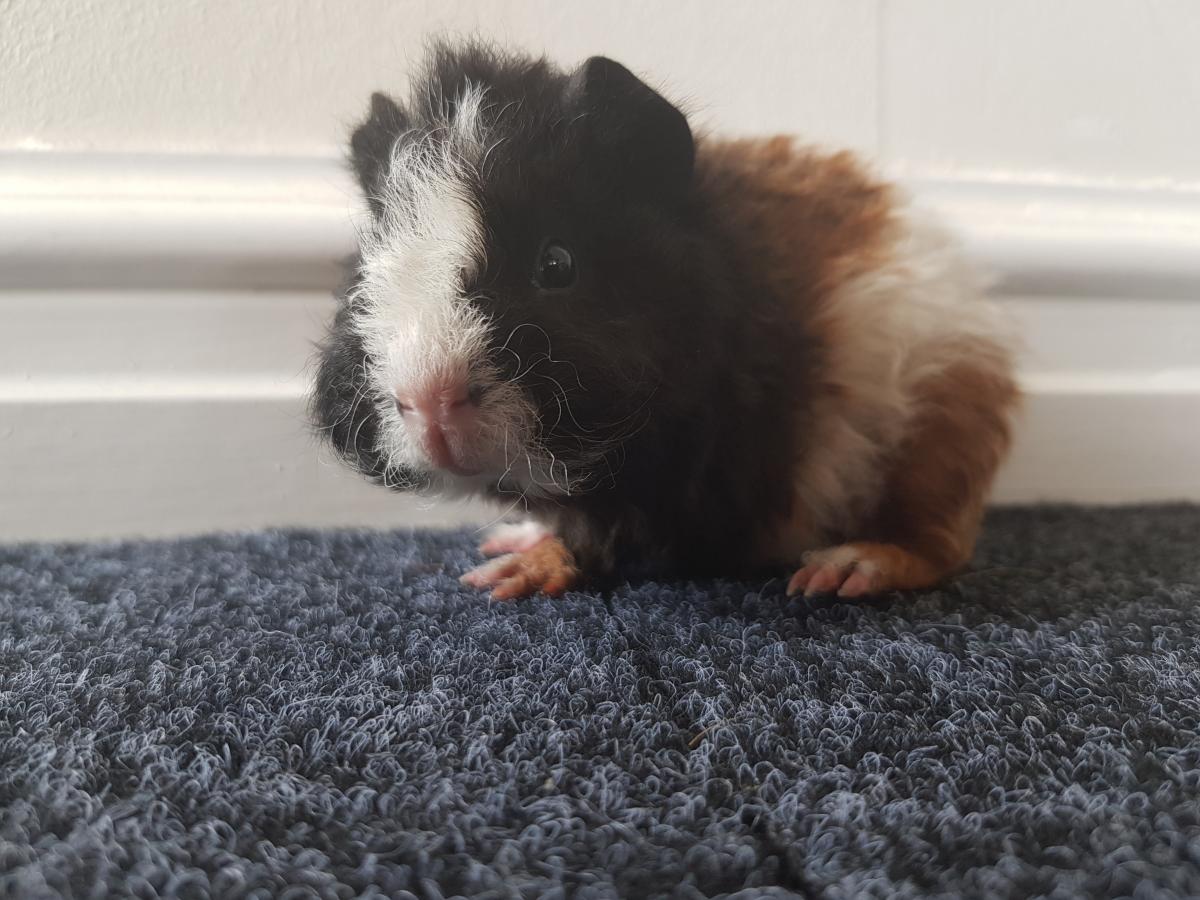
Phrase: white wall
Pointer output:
(1101, 89)
(288, 76)
(172, 210)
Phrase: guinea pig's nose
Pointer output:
(440, 402)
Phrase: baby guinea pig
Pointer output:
(669, 351)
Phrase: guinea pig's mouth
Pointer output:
(448, 437)
(478, 431)
(440, 449)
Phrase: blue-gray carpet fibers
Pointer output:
(329, 714)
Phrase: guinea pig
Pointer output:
(668, 351)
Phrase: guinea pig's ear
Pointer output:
(642, 133)
(371, 146)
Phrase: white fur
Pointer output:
(417, 326)
(515, 537)
(890, 328)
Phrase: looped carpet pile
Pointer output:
(329, 714)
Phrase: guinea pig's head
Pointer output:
(520, 280)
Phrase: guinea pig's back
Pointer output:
(895, 314)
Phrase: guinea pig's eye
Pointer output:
(555, 269)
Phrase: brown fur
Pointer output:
(809, 220)
(929, 513)
(817, 222)
(934, 499)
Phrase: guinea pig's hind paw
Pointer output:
(547, 567)
(862, 569)
(513, 537)
(826, 578)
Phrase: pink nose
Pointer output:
(441, 405)
(444, 420)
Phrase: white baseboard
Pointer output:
(99, 220)
(1104, 443)
(162, 464)
(167, 465)
(156, 318)
(1075, 240)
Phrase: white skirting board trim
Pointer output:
(1073, 240)
(155, 315)
(178, 463)
(95, 220)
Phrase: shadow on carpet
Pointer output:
(329, 714)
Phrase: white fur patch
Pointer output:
(417, 326)
(891, 328)
(514, 537)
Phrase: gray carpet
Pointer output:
(328, 714)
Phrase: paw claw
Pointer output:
(800, 580)
(856, 585)
(472, 579)
(491, 572)
(513, 589)
(863, 569)
(825, 581)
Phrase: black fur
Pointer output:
(371, 146)
(342, 409)
(669, 352)
(641, 136)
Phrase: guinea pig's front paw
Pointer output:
(548, 567)
(861, 569)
